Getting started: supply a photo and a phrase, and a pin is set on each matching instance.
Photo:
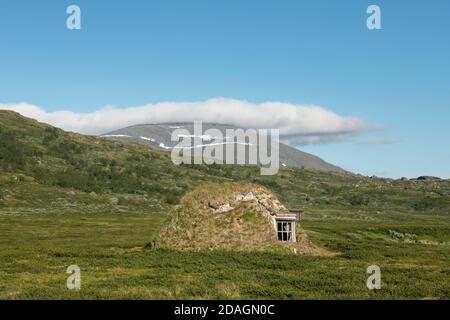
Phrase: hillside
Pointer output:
(37, 155)
(35, 152)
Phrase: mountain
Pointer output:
(48, 168)
(159, 135)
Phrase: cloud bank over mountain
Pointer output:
(298, 124)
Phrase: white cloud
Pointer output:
(376, 141)
(298, 124)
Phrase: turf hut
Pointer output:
(233, 216)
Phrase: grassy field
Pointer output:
(36, 249)
(68, 199)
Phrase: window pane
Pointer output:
(284, 230)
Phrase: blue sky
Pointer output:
(131, 53)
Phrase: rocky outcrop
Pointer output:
(222, 208)
(262, 200)
(427, 178)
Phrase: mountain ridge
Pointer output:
(158, 135)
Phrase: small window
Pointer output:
(284, 230)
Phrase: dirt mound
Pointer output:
(229, 216)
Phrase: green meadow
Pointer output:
(36, 250)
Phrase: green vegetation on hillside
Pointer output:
(72, 199)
